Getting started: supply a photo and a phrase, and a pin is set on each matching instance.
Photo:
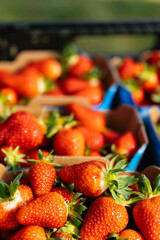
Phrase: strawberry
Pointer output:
(48, 210)
(3, 74)
(29, 233)
(34, 82)
(69, 142)
(126, 234)
(64, 192)
(93, 139)
(92, 178)
(146, 212)
(93, 94)
(10, 94)
(12, 157)
(94, 154)
(49, 68)
(83, 65)
(126, 70)
(12, 198)
(150, 81)
(126, 144)
(68, 232)
(18, 130)
(72, 85)
(104, 216)
(131, 235)
(34, 154)
(138, 96)
(110, 135)
(42, 175)
(84, 115)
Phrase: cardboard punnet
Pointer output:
(123, 95)
(110, 85)
(124, 118)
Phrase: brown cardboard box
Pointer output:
(124, 118)
(25, 57)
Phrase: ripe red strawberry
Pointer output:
(21, 129)
(30, 233)
(27, 83)
(42, 175)
(151, 82)
(104, 216)
(92, 178)
(64, 192)
(85, 115)
(81, 67)
(93, 139)
(11, 200)
(138, 96)
(48, 210)
(126, 144)
(69, 142)
(50, 68)
(147, 211)
(3, 74)
(10, 95)
(131, 235)
(72, 85)
(94, 154)
(110, 135)
(34, 154)
(93, 94)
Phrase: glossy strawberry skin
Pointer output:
(64, 192)
(126, 144)
(94, 154)
(103, 217)
(72, 85)
(63, 235)
(34, 154)
(42, 176)
(131, 235)
(83, 66)
(92, 94)
(9, 209)
(69, 142)
(146, 216)
(49, 210)
(21, 129)
(110, 135)
(93, 139)
(86, 115)
(30, 233)
(86, 176)
(10, 94)
(25, 83)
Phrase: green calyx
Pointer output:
(76, 208)
(7, 192)
(132, 85)
(55, 122)
(146, 190)
(115, 236)
(94, 73)
(48, 159)
(13, 158)
(118, 181)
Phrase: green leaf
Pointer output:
(121, 164)
(145, 185)
(112, 235)
(76, 222)
(156, 185)
(40, 155)
(81, 208)
(3, 190)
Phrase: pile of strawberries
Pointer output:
(141, 78)
(72, 74)
(90, 200)
(81, 131)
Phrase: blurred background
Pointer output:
(90, 10)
